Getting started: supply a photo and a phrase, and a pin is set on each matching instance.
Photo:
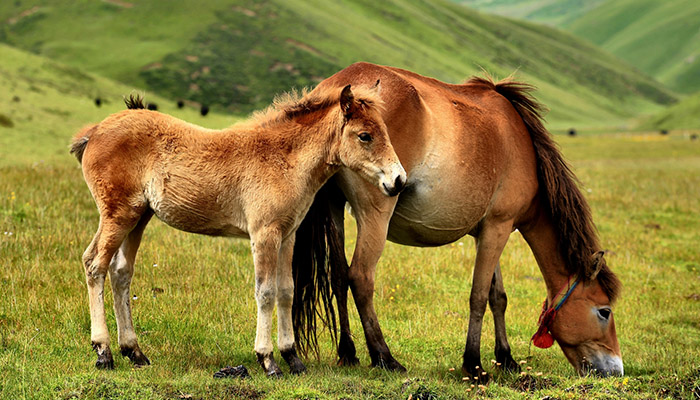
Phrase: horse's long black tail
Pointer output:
(317, 248)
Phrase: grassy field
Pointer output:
(238, 54)
(195, 313)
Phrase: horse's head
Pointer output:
(364, 144)
(584, 326)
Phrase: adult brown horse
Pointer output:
(253, 180)
(479, 162)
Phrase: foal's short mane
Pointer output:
(570, 213)
(293, 104)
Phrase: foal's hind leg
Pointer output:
(498, 301)
(96, 261)
(120, 273)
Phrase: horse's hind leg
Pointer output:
(96, 261)
(498, 301)
(285, 298)
(120, 273)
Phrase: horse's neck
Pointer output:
(543, 239)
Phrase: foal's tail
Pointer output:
(568, 207)
(316, 249)
(80, 141)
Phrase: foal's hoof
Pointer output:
(268, 364)
(136, 356)
(294, 362)
(104, 357)
(475, 375)
(348, 361)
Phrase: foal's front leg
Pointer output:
(266, 247)
(285, 298)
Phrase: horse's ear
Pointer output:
(598, 262)
(347, 101)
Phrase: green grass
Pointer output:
(239, 56)
(195, 310)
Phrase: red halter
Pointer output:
(543, 338)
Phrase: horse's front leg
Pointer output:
(265, 246)
(285, 298)
(372, 227)
(489, 245)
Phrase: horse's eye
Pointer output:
(604, 313)
(365, 137)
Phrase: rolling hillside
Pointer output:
(239, 54)
(550, 12)
(661, 38)
(683, 115)
(43, 103)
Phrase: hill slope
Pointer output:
(44, 103)
(683, 115)
(662, 38)
(550, 12)
(240, 55)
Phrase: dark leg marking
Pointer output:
(104, 356)
(268, 364)
(292, 359)
(135, 355)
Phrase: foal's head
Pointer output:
(364, 143)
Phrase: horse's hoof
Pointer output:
(294, 362)
(389, 364)
(269, 365)
(347, 355)
(104, 357)
(346, 361)
(136, 356)
(507, 364)
(476, 375)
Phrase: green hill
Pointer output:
(550, 12)
(661, 38)
(239, 54)
(43, 103)
(683, 115)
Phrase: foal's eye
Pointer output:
(604, 313)
(365, 137)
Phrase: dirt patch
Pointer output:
(23, 14)
(529, 383)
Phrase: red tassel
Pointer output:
(542, 338)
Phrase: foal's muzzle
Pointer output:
(604, 366)
(393, 182)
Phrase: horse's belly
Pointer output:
(436, 210)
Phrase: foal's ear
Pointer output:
(347, 101)
(598, 262)
(376, 88)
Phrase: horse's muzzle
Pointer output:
(604, 366)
